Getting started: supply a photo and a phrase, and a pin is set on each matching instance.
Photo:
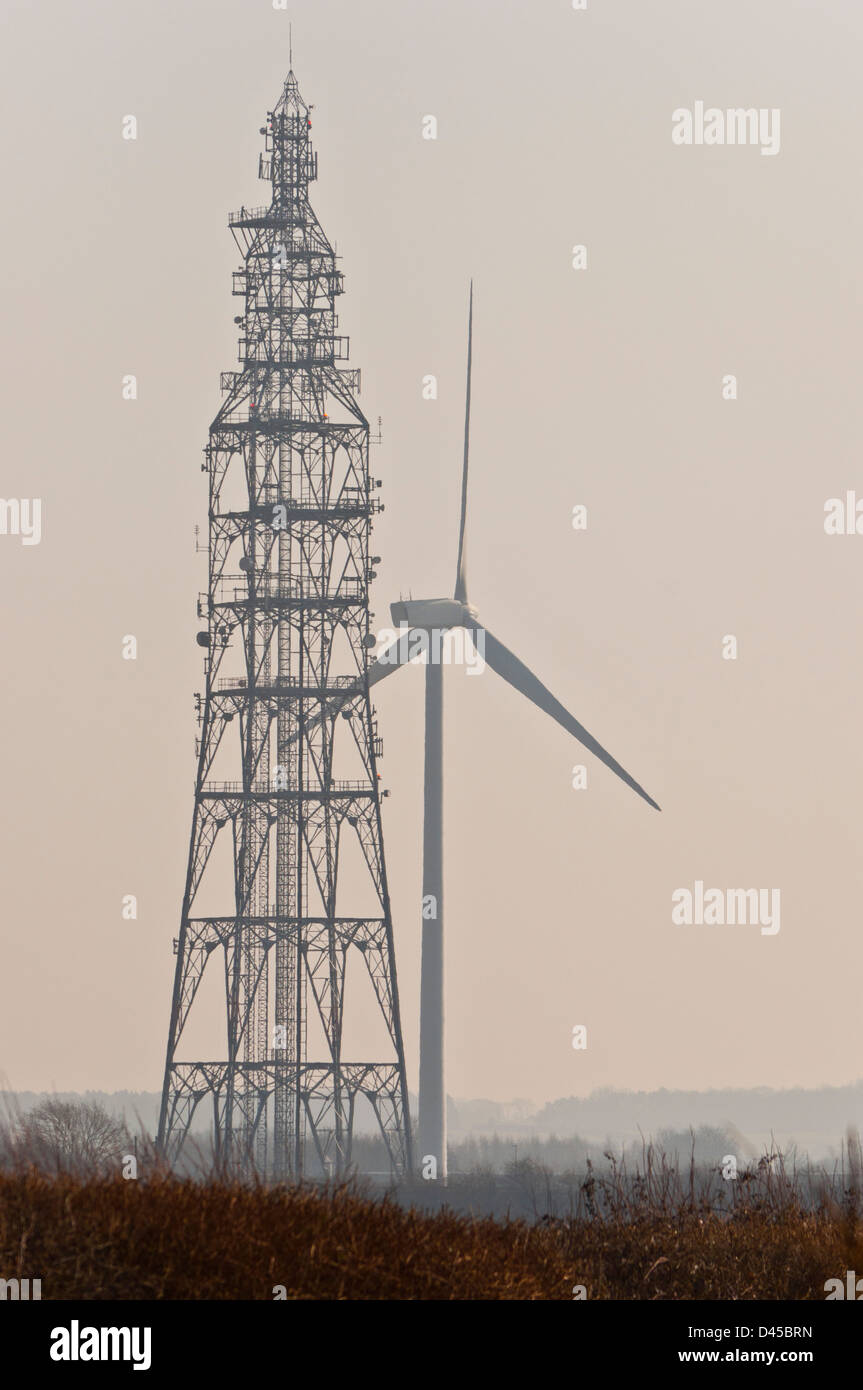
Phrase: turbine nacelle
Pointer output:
(433, 614)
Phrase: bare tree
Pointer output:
(60, 1136)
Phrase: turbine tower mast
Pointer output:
(287, 780)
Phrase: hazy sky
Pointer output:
(601, 387)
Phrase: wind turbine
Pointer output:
(431, 618)
(428, 620)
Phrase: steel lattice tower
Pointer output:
(287, 697)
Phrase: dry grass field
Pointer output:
(164, 1239)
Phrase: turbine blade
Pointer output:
(502, 660)
(393, 656)
(461, 572)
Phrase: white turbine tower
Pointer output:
(429, 619)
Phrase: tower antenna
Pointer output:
(283, 1095)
